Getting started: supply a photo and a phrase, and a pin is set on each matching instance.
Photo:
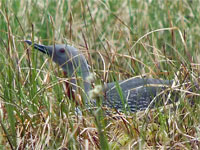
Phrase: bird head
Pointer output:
(69, 58)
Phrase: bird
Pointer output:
(133, 94)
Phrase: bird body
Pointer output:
(138, 93)
(132, 94)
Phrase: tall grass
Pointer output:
(120, 39)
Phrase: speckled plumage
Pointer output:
(138, 93)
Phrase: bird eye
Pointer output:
(62, 50)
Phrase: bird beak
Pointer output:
(41, 48)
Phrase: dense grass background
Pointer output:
(120, 39)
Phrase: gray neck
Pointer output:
(77, 67)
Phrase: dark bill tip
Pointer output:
(39, 47)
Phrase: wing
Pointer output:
(136, 93)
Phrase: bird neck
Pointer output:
(78, 72)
